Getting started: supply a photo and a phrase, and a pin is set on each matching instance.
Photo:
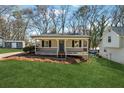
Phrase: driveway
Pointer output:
(9, 54)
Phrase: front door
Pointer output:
(61, 46)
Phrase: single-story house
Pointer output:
(14, 44)
(11, 43)
(61, 45)
(112, 44)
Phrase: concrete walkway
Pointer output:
(9, 54)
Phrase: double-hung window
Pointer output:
(109, 39)
(76, 43)
(46, 43)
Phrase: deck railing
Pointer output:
(46, 51)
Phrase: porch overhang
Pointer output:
(58, 36)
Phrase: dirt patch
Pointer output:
(38, 58)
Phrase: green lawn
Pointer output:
(8, 50)
(97, 72)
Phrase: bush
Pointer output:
(29, 49)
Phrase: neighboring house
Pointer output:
(62, 45)
(112, 44)
(1, 41)
(11, 43)
(14, 44)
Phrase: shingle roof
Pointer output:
(118, 30)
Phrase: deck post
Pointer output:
(40, 43)
(82, 47)
(87, 48)
(57, 47)
(65, 48)
(35, 46)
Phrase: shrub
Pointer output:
(29, 49)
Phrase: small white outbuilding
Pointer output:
(112, 44)
(14, 44)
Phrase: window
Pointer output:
(8, 44)
(46, 43)
(84, 43)
(109, 39)
(76, 43)
(19, 45)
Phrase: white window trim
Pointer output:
(44, 44)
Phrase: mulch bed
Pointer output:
(39, 58)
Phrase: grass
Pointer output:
(8, 50)
(97, 72)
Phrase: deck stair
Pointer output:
(61, 55)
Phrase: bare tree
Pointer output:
(41, 19)
(17, 27)
(55, 20)
(98, 30)
(92, 20)
(73, 24)
(63, 16)
(118, 16)
(4, 16)
(95, 19)
(4, 9)
(19, 24)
